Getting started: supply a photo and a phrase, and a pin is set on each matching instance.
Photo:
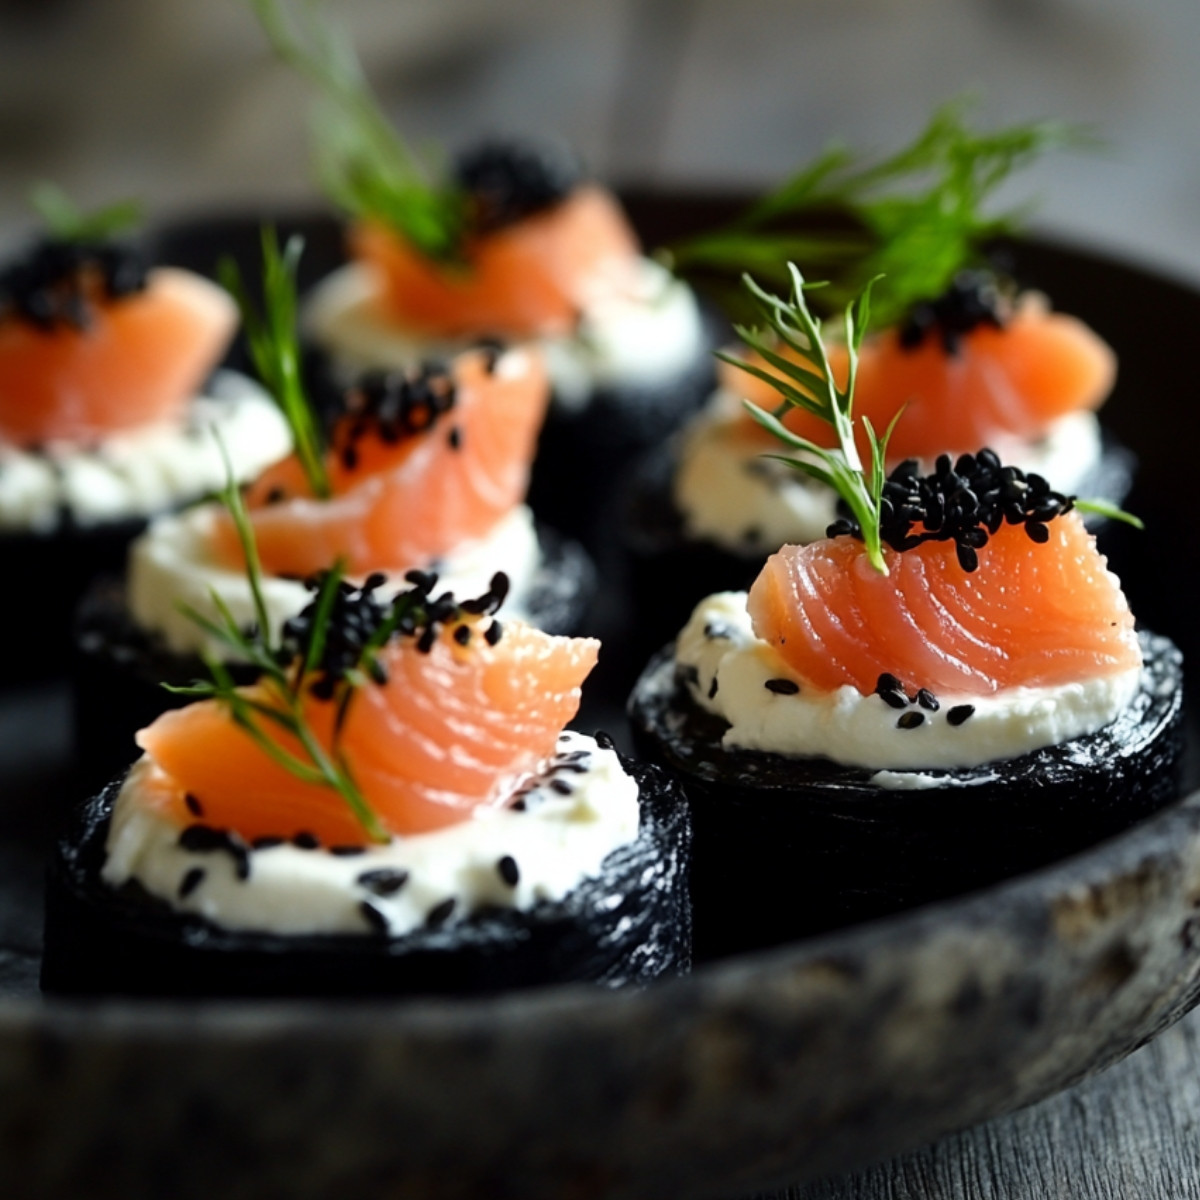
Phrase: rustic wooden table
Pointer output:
(1128, 1134)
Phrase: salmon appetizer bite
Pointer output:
(946, 689)
(109, 395)
(960, 357)
(509, 242)
(393, 807)
(423, 470)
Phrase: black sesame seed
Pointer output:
(462, 634)
(518, 805)
(712, 688)
(454, 437)
(193, 805)
(604, 740)
(424, 581)
(374, 918)
(1037, 531)
(203, 839)
(967, 557)
(191, 881)
(493, 633)
(507, 870)
(383, 881)
(562, 786)
(895, 699)
(887, 682)
(492, 350)
(347, 851)
(781, 687)
(960, 713)
(306, 841)
(911, 720)
(926, 699)
(267, 842)
(439, 914)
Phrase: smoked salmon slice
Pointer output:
(527, 279)
(138, 362)
(1032, 614)
(1001, 383)
(402, 502)
(452, 729)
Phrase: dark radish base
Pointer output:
(45, 575)
(585, 456)
(118, 669)
(787, 847)
(628, 925)
(670, 572)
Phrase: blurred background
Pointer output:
(180, 102)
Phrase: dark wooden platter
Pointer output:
(757, 1070)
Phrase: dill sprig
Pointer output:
(809, 384)
(66, 222)
(282, 708)
(274, 341)
(1109, 510)
(916, 217)
(362, 163)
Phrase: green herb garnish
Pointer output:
(809, 384)
(915, 218)
(274, 343)
(66, 222)
(285, 684)
(363, 164)
(1105, 508)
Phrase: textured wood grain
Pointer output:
(1129, 1134)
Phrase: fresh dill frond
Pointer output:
(274, 342)
(362, 162)
(807, 382)
(66, 222)
(1106, 508)
(284, 679)
(916, 217)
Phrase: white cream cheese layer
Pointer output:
(728, 669)
(144, 471)
(172, 564)
(500, 856)
(641, 327)
(727, 492)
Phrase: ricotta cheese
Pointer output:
(172, 564)
(144, 471)
(728, 668)
(641, 327)
(548, 848)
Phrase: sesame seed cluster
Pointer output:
(356, 615)
(964, 501)
(55, 283)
